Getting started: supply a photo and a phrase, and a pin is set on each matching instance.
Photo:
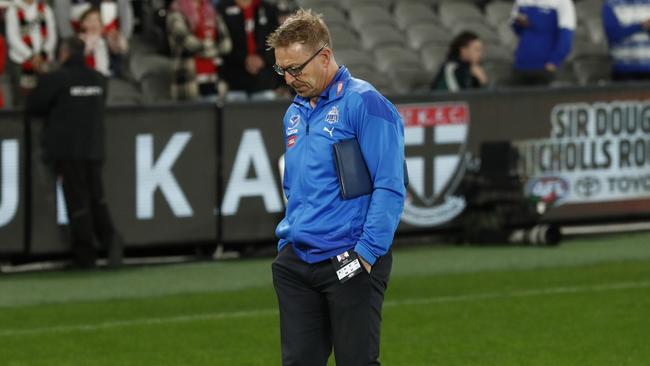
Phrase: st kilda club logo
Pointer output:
(435, 136)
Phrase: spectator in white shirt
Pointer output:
(31, 38)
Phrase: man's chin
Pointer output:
(303, 93)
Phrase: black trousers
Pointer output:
(318, 313)
(87, 211)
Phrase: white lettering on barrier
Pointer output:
(597, 152)
(151, 175)
(251, 153)
(61, 208)
(10, 191)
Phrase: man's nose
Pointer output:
(288, 78)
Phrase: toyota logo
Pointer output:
(588, 186)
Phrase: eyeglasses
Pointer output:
(296, 70)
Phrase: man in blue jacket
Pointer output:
(334, 256)
(627, 25)
(545, 29)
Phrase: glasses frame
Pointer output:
(297, 70)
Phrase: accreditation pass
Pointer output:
(347, 265)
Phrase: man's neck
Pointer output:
(331, 73)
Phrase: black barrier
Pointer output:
(252, 202)
(584, 156)
(584, 153)
(12, 177)
(160, 179)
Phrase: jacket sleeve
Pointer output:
(14, 39)
(50, 41)
(617, 32)
(513, 15)
(224, 42)
(180, 37)
(566, 14)
(380, 133)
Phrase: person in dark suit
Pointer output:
(248, 68)
(72, 101)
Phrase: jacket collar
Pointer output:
(334, 91)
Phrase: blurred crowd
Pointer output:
(217, 48)
(545, 32)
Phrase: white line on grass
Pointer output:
(266, 312)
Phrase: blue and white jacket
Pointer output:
(318, 222)
(629, 44)
(549, 37)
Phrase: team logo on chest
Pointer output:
(332, 116)
(294, 121)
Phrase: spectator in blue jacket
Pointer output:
(627, 23)
(545, 29)
(334, 254)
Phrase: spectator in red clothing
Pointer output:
(248, 69)
(31, 37)
(104, 50)
(116, 15)
(198, 39)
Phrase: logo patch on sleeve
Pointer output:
(291, 141)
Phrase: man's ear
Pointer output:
(328, 57)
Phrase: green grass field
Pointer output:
(586, 302)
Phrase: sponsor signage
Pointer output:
(600, 151)
(12, 178)
(174, 176)
(435, 136)
(160, 180)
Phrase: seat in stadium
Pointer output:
(154, 74)
(581, 33)
(565, 76)
(122, 92)
(381, 36)
(475, 2)
(408, 14)
(507, 36)
(374, 77)
(344, 37)
(140, 45)
(410, 79)
(393, 57)
(352, 4)
(452, 13)
(592, 70)
(333, 15)
(364, 16)
(582, 49)
(317, 4)
(499, 73)
(433, 56)
(595, 29)
(498, 12)
(422, 35)
(495, 52)
(588, 8)
(355, 59)
(487, 34)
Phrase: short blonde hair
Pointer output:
(305, 27)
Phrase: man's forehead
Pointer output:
(292, 53)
